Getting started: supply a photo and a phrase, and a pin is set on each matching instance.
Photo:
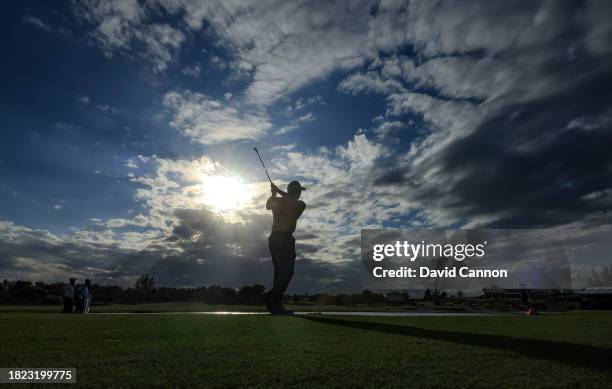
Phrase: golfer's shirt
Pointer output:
(285, 212)
(68, 291)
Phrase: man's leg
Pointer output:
(280, 249)
(79, 305)
(270, 296)
(284, 269)
(288, 267)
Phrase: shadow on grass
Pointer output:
(570, 353)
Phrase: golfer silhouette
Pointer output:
(286, 210)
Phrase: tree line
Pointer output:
(144, 290)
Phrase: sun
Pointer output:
(225, 193)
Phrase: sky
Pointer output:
(128, 128)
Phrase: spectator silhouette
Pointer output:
(86, 293)
(69, 296)
(83, 297)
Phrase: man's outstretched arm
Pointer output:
(272, 199)
(276, 189)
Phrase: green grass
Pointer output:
(201, 307)
(569, 350)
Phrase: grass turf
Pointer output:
(569, 350)
(202, 307)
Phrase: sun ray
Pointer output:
(225, 193)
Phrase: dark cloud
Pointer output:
(391, 177)
(531, 164)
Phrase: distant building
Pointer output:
(586, 298)
(523, 295)
(594, 298)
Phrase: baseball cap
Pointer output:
(294, 185)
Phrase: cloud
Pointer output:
(193, 71)
(498, 114)
(107, 109)
(179, 239)
(83, 99)
(208, 121)
(217, 62)
(182, 240)
(288, 147)
(124, 26)
(104, 108)
(285, 45)
(36, 22)
(291, 45)
(517, 168)
(295, 123)
(302, 103)
(282, 47)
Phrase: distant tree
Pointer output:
(251, 293)
(145, 284)
(369, 297)
(326, 299)
(600, 277)
(428, 295)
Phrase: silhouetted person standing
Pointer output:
(86, 294)
(69, 296)
(79, 300)
(286, 210)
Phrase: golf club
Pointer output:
(262, 164)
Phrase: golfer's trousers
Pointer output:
(68, 302)
(282, 249)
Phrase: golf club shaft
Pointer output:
(262, 164)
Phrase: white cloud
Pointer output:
(83, 99)
(288, 147)
(302, 103)
(208, 121)
(217, 62)
(122, 25)
(283, 46)
(36, 22)
(361, 152)
(193, 71)
(107, 109)
(387, 129)
(294, 124)
(286, 129)
(290, 45)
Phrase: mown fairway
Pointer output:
(569, 350)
